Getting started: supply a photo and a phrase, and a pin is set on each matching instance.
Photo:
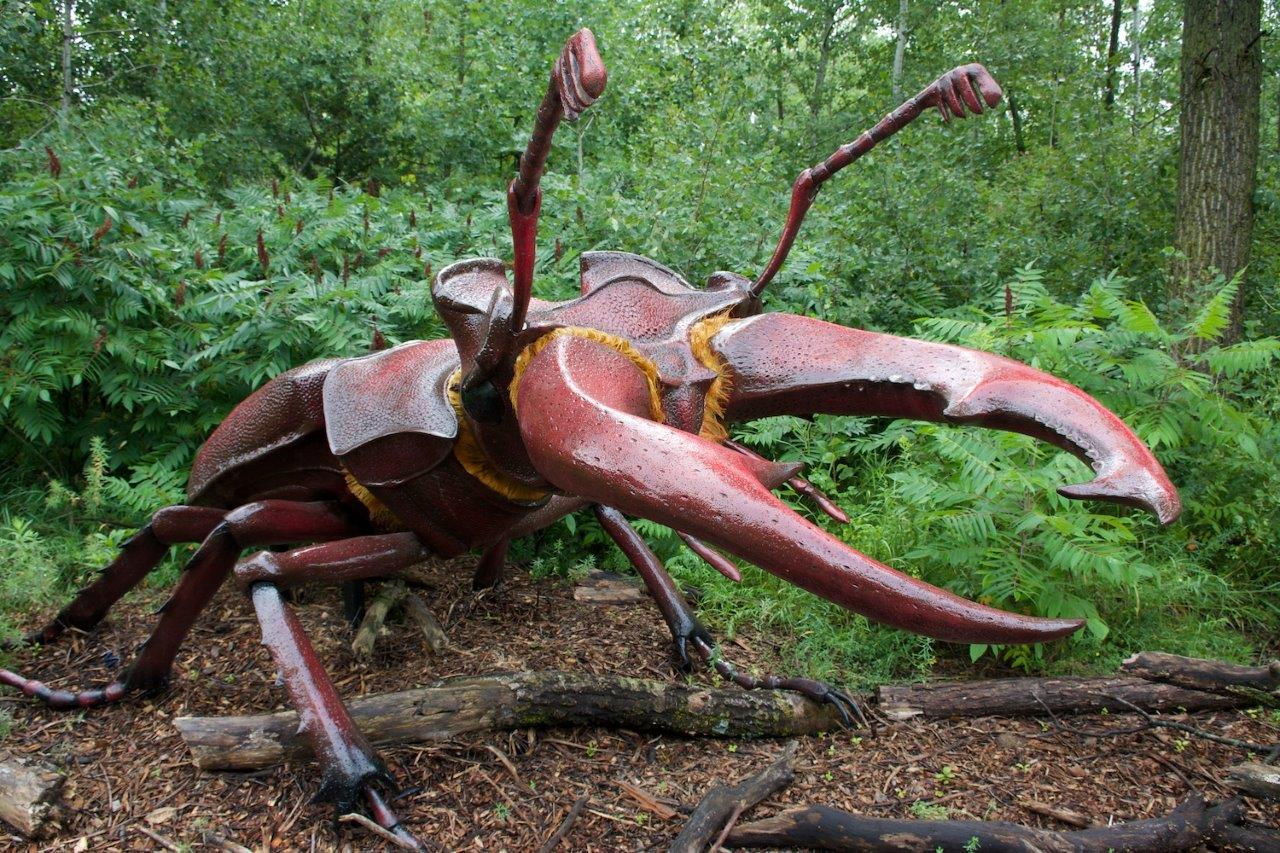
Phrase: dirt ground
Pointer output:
(128, 769)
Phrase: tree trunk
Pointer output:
(824, 58)
(1218, 154)
(899, 52)
(1135, 39)
(1018, 140)
(68, 34)
(1113, 47)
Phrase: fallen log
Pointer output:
(456, 706)
(1255, 780)
(722, 804)
(608, 588)
(1014, 696)
(824, 828)
(29, 794)
(1214, 676)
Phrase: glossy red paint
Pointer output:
(533, 410)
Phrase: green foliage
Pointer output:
(138, 312)
(388, 130)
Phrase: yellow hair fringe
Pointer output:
(379, 513)
(476, 462)
(713, 428)
(621, 345)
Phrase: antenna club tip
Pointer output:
(580, 73)
(987, 85)
(591, 70)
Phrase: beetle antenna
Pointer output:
(577, 79)
(951, 94)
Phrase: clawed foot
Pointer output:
(847, 708)
(689, 632)
(349, 792)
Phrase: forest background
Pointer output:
(195, 196)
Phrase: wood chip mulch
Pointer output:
(132, 786)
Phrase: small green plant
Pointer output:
(924, 810)
(946, 775)
(1180, 744)
(592, 748)
(502, 811)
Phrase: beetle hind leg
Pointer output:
(269, 522)
(137, 558)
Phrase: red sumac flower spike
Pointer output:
(199, 260)
(359, 260)
(366, 222)
(263, 258)
(55, 165)
(383, 252)
(559, 250)
(1008, 302)
(346, 269)
(288, 197)
(133, 182)
(581, 218)
(222, 249)
(217, 220)
(100, 340)
(180, 295)
(379, 342)
(468, 220)
(275, 188)
(426, 270)
(102, 230)
(186, 219)
(417, 253)
(413, 219)
(279, 211)
(297, 228)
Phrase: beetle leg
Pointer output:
(583, 411)
(271, 522)
(349, 765)
(138, 556)
(684, 625)
(783, 364)
(687, 631)
(489, 569)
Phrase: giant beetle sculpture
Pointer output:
(617, 399)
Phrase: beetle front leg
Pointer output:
(684, 625)
(687, 632)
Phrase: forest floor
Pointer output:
(129, 770)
